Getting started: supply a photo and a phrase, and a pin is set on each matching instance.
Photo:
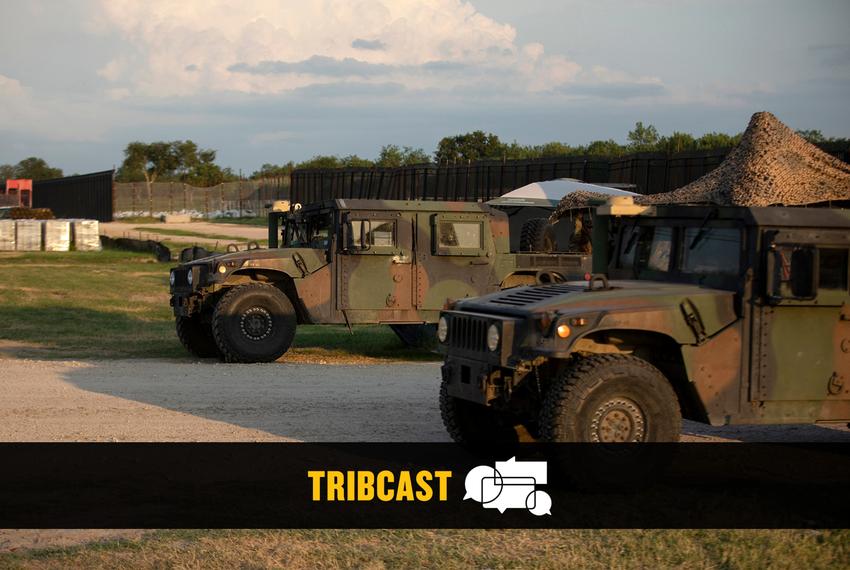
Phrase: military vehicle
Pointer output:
(354, 261)
(723, 315)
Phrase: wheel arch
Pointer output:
(660, 350)
(279, 279)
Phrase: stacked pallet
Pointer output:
(49, 235)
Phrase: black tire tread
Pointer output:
(488, 425)
(223, 304)
(570, 389)
(198, 344)
(534, 234)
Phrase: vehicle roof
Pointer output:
(399, 205)
(811, 217)
(550, 192)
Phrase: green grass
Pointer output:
(114, 304)
(592, 549)
(261, 221)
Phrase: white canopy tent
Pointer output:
(549, 193)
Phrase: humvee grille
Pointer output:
(468, 333)
(530, 295)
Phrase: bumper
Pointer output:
(475, 381)
(184, 305)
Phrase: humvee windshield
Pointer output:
(653, 251)
(311, 231)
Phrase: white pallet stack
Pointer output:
(7, 235)
(57, 235)
(28, 235)
(86, 234)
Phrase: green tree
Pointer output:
(609, 147)
(677, 142)
(7, 172)
(273, 170)
(713, 140)
(393, 155)
(814, 136)
(643, 138)
(476, 145)
(33, 167)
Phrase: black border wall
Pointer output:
(83, 196)
(650, 172)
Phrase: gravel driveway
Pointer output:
(162, 400)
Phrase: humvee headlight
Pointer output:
(563, 331)
(189, 277)
(442, 329)
(222, 268)
(172, 278)
(493, 337)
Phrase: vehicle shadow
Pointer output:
(307, 402)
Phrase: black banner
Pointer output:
(391, 485)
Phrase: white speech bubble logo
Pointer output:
(539, 503)
(475, 488)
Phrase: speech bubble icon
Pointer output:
(539, 503)
(474, 488)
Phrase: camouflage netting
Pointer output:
(771, 166)
(575, 201)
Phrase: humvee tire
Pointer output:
(197, 337)
(537, 235)
(469, 423)
(254, 323)
(610, 398)
(417, 336)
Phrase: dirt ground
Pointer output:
(176, 400)
(238, 231)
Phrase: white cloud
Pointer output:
(269, 46)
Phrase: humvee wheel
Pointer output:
(254, 323)
(197, 337)
(468, 422)
(610, 398)
(537, 235)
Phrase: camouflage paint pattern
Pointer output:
(734, 352)
(409, 281)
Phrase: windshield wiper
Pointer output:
(701, 232)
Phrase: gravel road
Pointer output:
(162, 400)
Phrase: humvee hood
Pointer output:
(715, 306)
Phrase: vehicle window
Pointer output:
(459, 234)
(378, 233)
(793, 272)
(710, 251)
(659, 249)
(319, 232)
(629, 245)
(832, 268)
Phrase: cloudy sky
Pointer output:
(278, 80)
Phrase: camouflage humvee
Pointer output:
(716, 314)
(347, 262)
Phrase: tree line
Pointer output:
(185, 161)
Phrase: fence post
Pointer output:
(185, 207)
(171, 197)
(133, 199)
